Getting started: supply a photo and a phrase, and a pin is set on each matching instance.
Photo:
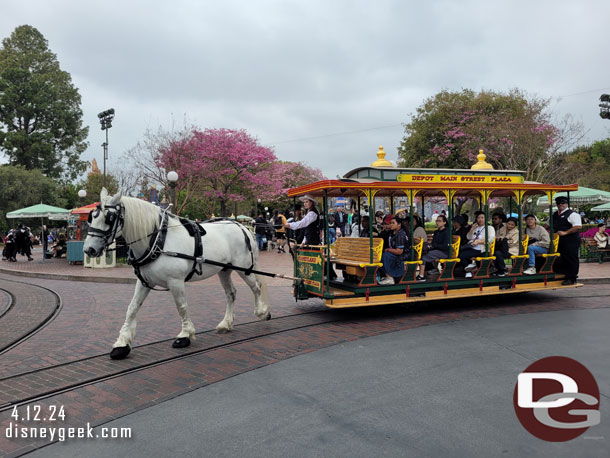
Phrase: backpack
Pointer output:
(277, 222)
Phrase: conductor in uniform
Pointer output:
(567, 224)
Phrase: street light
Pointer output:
(172, 177)
(604, 106)
(79, 228)
(106, 118)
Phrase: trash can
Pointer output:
(75, 252)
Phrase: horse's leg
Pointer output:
(122, 346)
(188, 328)
(227, 322)
(259, 289)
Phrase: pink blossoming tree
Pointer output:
(223, 165)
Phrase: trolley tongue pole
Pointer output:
(242, 269)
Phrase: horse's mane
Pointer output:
(141, 218)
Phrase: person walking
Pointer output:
(23, 242)
(260, 225)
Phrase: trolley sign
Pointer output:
(309, 265)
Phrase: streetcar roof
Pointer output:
(355, 187)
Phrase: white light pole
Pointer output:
(172, 177)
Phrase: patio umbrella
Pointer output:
(602, 208)
(582, 196)
(244, 218)
(40, 211)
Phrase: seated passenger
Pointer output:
(439, 248)
(365, 231)
(460, 230)
(476, 242)
(418, 230)
(507, 244)
(395, 254)
(601, 237)
(386, 229)
(498, 221)
(538, 243)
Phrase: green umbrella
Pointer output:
(602, 208)
(582, 196)
(244, 218)
(40, 211)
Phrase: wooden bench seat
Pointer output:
(450, 262)
(550, 257)
(592, 251)
(519, 259)
(352, 254)
(411, 266)
(486, 261)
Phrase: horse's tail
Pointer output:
(264, 291)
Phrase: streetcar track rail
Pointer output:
(5, 347)
(10, 301)
(100, 368)
(117, 368)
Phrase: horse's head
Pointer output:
(105, 223)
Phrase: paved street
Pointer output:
(344, 379)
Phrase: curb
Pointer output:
(68, 277)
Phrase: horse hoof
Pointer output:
(268, 316)
(181, 342)
(222, 330)
(120, 352)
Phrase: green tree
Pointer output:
(22, 188)
(40, 114)
(516, 133)
(94, 184)
(590, 165)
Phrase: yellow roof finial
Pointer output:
(482, 164)
(381, 160)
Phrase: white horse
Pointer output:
(138, 221)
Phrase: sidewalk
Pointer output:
(59, 269)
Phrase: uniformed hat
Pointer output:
(561, 200)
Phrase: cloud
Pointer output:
(296, 73)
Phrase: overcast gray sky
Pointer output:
(322, 81)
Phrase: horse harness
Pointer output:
(114, 219)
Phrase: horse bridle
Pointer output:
(113, 218)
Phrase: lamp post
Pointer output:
(79, 229)
(604, 106)
(172, 177)
(106, 118)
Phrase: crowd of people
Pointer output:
(21, 241)
(307, 225)
(18, 242)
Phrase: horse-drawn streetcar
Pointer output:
(359, 260)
